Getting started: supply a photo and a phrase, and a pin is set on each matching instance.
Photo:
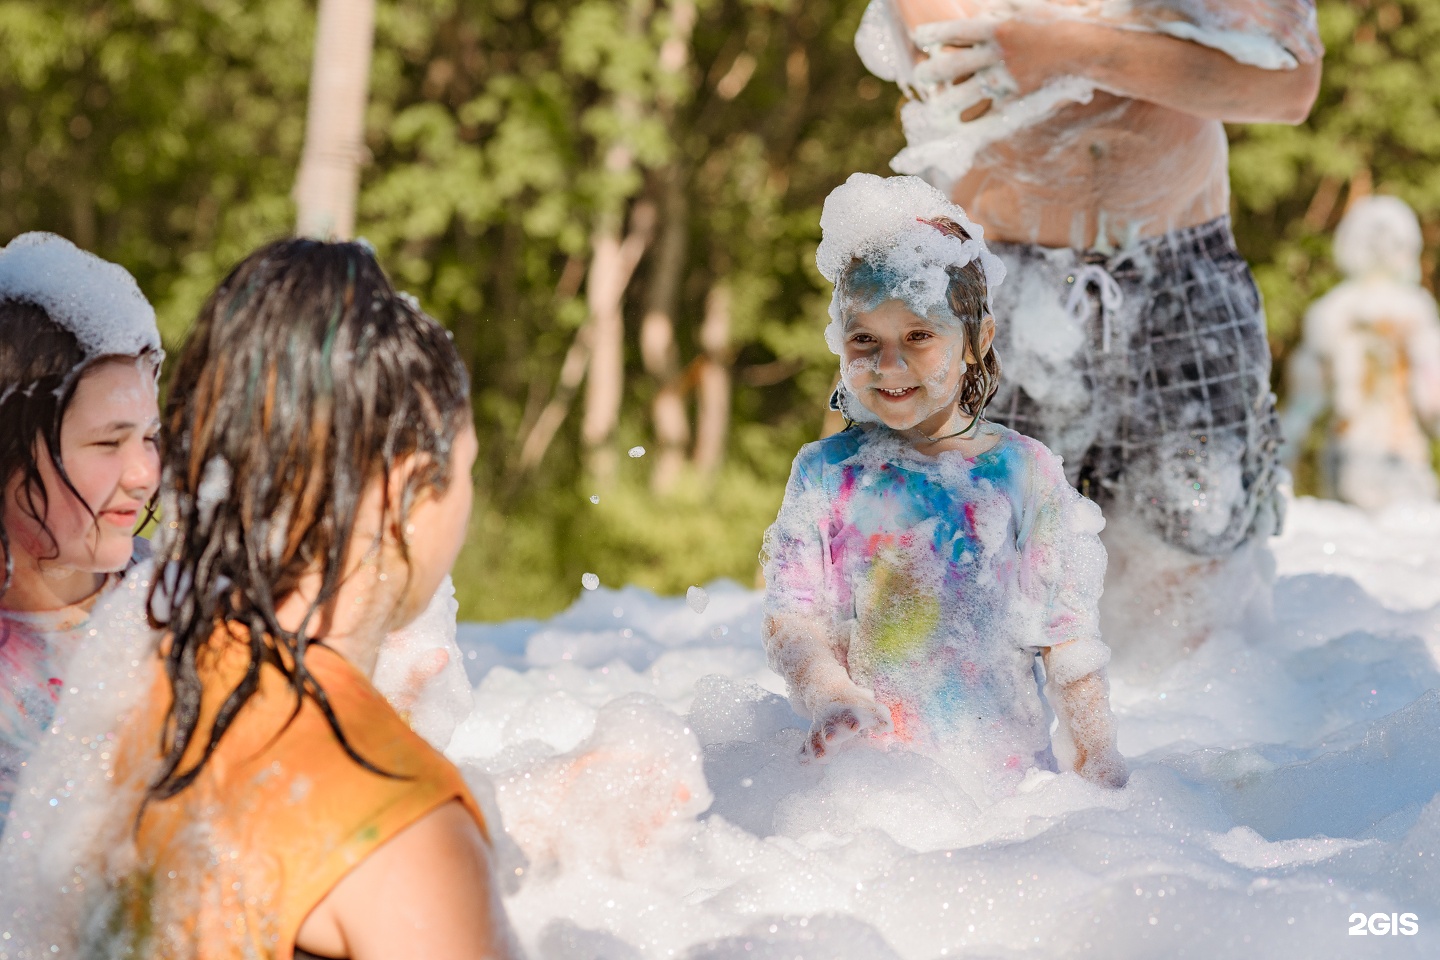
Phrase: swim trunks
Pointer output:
(1148, 371)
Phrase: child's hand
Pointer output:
(421, 672)
(1104, 767)
(848, 715)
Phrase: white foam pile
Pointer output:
(647, 765)
(94, 299)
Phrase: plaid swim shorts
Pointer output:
(1148, 371)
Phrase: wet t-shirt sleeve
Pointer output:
(1062, 566)
(794, 551)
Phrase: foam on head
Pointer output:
(1379, 235)
(98, 301)
(879, 220)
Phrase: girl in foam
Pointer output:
(79, 360)
(928, 568)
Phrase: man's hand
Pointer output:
(848, 715)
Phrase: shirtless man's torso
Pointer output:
(1148, 153)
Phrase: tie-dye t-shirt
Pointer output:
(33, 647)
(940, 579)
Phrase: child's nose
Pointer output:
(891, 358)
(141, 475)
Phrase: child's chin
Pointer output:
(114, 554)
(895, 419)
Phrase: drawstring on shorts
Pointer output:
(1111, 297)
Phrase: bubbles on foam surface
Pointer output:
(69, 809)
(99, 302)
(1235, 754)
(214, 487)
(1241, 754)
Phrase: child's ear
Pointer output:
(987, 337)
(396, 488)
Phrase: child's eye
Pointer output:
(919, 335)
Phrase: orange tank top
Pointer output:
(232, 865)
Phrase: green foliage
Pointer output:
(1375, 127)
(165, 134)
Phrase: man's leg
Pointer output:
(1172, 430)
(1193, 471)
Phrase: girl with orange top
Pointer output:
(316, 493)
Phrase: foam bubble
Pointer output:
(98, 301)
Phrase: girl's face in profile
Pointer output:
(903, 368)
(436, 526)
(108, 444)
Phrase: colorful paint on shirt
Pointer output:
(941, 578)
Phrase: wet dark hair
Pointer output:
(966, 298)
(41, 365)
(305, 377)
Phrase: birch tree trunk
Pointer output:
(712, 417)
(612, 264)
(657, 339)
(329, 179)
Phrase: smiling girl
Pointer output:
(79, 358)
(923, 558)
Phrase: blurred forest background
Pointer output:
(614, 205)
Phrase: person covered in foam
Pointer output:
(1370, 358)
(79, 360)
(924, 558)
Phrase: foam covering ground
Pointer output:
(646, 765)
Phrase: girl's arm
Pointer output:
(1063, 574)
(820, 686)
(1083, 706)
(799, 622)
(427, 892)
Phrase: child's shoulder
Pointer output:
(1041, 463)
(814, 457)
